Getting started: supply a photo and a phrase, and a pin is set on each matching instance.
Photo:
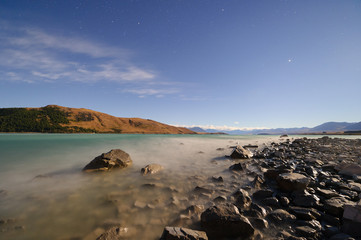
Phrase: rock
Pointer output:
(236, 167)
(261, 194)
(350, 169)
(114, 159)
(334, 206)
(225, 221)
(180, 233)
(326, 193)
(305, 199)
(284, 201)
(341, 236)
(292, 181)
(331, 231)
(151, 169)
(281, 216)
(241, 153)
(312, 224)
(258, 182)
(352, 220)
(114, 233)
(220, 199)
(305, 231)
(283, 136)
(201, 190)
(304, 213)
(217, 179)
(271, 202)
(259, 223)
(242, 198)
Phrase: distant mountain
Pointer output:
(60, 119)
(325, 127)
(197, 129)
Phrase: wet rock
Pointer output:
(352, 220)
(350, 169)
(304, 213)
(241, 153)
(305, 231)
(334, 206)
(331, 231)
(114, 159)
(271, 202)
(180, 233)
(202, 190)
(258, 182)
(236, 167)
(114, 233)
(151, 169)
(305, 199)
(261, 194)
(327, 193)
(312, 224)
(217, 179)
(224, 221)
(243, 199)
(341, 236)
(259, 223)
(220, 199)
(292, 181)
(284, 201)
(280, 216)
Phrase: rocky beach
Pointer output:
(303, 188)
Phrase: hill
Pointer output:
(58, 119)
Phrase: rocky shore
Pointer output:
(301, 189)
(293, 189)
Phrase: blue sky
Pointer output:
(239, 64)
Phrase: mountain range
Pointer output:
(328, 127)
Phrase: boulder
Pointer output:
(225, 221)
(151, 169)
(114, 159)
(352, 220)
(241, 153)
(243, 199)
(292, 181)
(180, 233)
(335, 205)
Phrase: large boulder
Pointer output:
(241, 153)
(180, 233)
(225, 221)
(151, 169)
(292, 181)
(114, 159)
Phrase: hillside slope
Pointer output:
(53, 118)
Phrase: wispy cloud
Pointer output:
(143, 92)
(32, 55)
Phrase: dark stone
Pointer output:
(200, 190)
(305, 199)
(280, 216)
(217, 179)
(242, 198)
(236, 167)
(241, 153)
(284, 201)
(303, 213)
(292, 181)
(151, 169)
(259, 223)
(326, 193)
(180, 233)
(312, 224)
(114, 159)
(305, 231)
(258, 182)
(224, 221)
(341, 236)
(334, 206)
(261, 194)
(271, 202)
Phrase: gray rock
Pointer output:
(236, 167)
(292, 181)
(334, 206)
(180, 233)
(305, 199)
(151, 169)
(304, 213)
(114, 159)
(243, 199)
(271, 202)
(352, 220)
(224, 221)
(261, 194)
(326, 193)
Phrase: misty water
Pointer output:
(45, 195)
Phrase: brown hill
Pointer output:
(105, 123)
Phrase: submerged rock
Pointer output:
(151, 169)
(114, 233)
(180, 233)
(114, 159)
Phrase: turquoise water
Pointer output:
(46, 193)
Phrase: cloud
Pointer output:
(143, 92)
(32, 55)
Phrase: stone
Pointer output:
(271, 202)
(258, 182)
(225, 221)
(217, 179)
(114, 159)
(241, 153)
(305, 199)
(349, 169)
(334, 206)
(305, 231)
(284, 201)
(326, 193)
(313, 224)
(236, 167)
(114, 233)
(280, 216)
(151, 169)
(352, 220)
(303, 213)
(243, 199)
(259, 223)
(341, 236)
(180, 233)
(292, 181)
(261, 194)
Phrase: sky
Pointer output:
(230, 64)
